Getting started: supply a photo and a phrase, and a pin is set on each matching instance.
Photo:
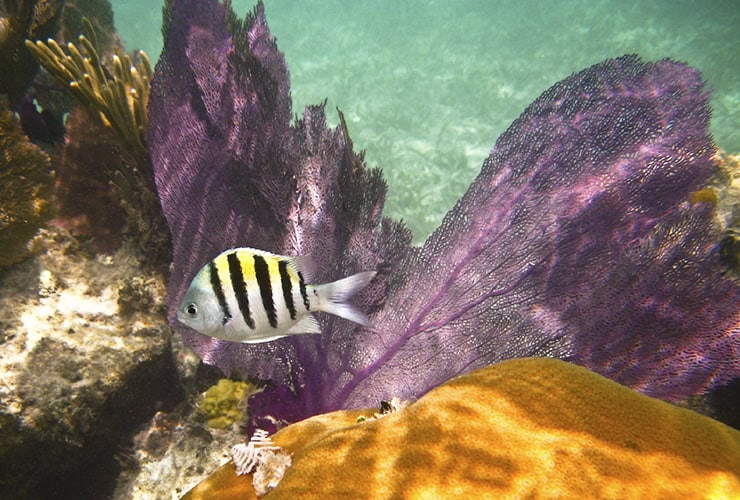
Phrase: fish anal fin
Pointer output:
(307, 324)
(262, 339)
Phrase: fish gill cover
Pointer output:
(575, 241)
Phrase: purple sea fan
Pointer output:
(575, 241)
(231, 171)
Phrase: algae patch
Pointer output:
(225, 403)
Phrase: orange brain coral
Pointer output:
(525, 427)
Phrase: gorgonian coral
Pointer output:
(119, 97)
(577, 240)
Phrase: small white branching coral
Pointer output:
(246, 456)
(268, 461)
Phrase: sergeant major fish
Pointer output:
(248, 295)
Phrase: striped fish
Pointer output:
(248, 295)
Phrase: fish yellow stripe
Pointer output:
(247, 264)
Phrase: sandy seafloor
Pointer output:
(428, 85)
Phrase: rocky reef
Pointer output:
(26, 199)
(21, 20)
(85, 357)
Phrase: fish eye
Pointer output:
(191, 310)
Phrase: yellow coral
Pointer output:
(523, 428)
(706, 195)
(121, 99)
(224, 402)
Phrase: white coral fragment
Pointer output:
(270, 470)
(247, 456)
(261, 455)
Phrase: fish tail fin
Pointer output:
(333, 296)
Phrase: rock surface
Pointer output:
(177, 449)
(85, 357)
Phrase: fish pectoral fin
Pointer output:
(307, 324)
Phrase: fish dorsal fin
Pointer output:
(305, 265)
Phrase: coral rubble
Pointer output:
(170, 455)
(534, 427)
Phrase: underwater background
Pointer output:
(427, 86)
(613, 243)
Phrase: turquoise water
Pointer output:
(428, 86)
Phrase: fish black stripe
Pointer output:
(219, 291)
(287, 287)
(262, 273)
(240, 288)
(302, 285)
